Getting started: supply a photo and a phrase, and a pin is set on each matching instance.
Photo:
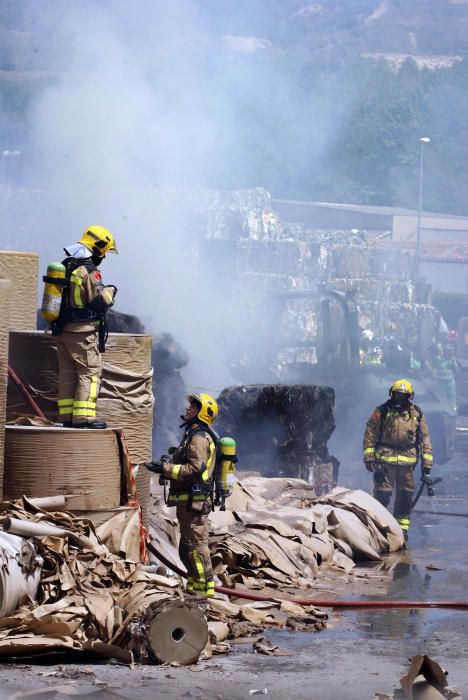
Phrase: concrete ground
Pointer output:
(360, 652)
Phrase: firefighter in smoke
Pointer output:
(81, 328)
(396, 436)
(190, 473)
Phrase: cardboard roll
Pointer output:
(125, 399)
(135, 417)
(22, 269)
(48, 461)
(175, 631)
(20, 572)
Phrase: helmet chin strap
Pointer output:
(96, 259)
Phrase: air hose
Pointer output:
(357, 604)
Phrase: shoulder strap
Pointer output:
(206, 429)
(72, 264)
(418, 430)
(383, 410)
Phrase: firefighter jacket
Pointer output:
(394, 437)
(191, 470)
(85, 296)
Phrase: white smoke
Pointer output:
(145, 99)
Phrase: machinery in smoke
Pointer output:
(330, 353)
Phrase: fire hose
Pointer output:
(357, 604)
(25, 393)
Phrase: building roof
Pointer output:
(367, 209)
(445, 252)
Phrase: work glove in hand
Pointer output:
(370, 466)
(426, 472)
(155, 467)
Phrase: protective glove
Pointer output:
(370, 466)
(426, 472)
(155, 467)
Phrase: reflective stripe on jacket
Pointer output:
(192, 467)
(399, 438)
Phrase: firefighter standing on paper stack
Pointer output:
(396, 436)
(190, 473)
(81, 327)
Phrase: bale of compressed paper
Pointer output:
(234, 214)
(4, 324)
(285, 257)
(280, 429)
(23, 270)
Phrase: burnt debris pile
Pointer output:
(281, 429)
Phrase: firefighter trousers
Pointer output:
(401, 478)
(194, 550)
(79, 365)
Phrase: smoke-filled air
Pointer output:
(144, 103)
(135, 112)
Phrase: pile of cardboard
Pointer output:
(89, 599)
(92, 600)
(277, 534)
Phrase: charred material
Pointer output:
(169, 390)
(281, 429)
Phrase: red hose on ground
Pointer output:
(357, 604)
(235, 592)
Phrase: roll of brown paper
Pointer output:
(43, 461)
(125, 400)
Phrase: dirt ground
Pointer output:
(360, 652)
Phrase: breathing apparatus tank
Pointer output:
(54, 284)
(224, 475)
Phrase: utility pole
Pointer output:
(422, 140)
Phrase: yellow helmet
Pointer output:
(99, 240)
(208, 407)
(402, 386)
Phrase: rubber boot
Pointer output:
(94, 425)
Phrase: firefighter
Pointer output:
(81, 329)
(190, 471)
(396, 436)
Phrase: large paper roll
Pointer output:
(22, 269)
(46, 461)
(125, 400)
